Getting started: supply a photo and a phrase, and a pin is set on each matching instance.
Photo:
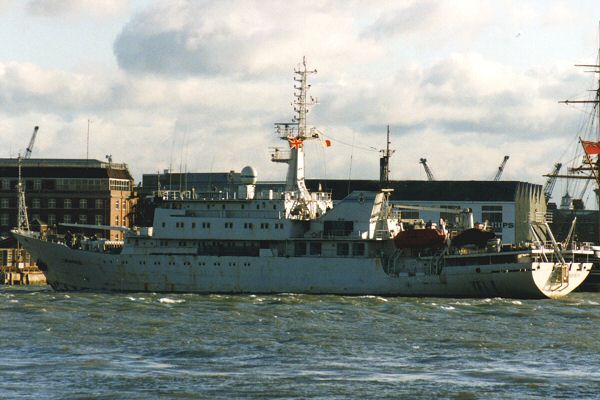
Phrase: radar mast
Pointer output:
(296, 132)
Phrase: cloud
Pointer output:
(89, 7)
(237, 38)
(200, 84)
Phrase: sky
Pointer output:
(197, 85)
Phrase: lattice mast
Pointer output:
(23, 220)
(296, 132)
(384, 162)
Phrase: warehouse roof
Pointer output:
(493, 191)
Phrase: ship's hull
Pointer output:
(69, 269)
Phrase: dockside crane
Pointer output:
(430, 176)
(551, 181)
(31, 143)
(501, 168)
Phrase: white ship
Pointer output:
(296, 241)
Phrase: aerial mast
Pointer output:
(295, 133)
(384, 162)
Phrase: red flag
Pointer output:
(295, 143)
(591, 147)
(326, 143)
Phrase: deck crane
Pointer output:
(430, 176)
(31, 143)
(551, 181)
(501, 168)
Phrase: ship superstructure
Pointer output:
(250, 241)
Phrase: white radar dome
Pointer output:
(248, 176)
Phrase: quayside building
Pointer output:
(87, 192)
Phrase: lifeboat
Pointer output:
(420, 239)
(474, 237)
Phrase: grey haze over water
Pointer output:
(58, 345)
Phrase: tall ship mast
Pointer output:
(590, 168)
(297, 241)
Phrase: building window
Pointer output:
(67, 219)
(37, 184)
(35, 203)
(83, 203)
(51, 219)
(493, 216)
(99, 203)
(3, 203)
(51, 203)
(4, 219)
(117, 220)
(117, 203)
(5, 184)
(67, 203)
(409, 214)
(120, 184)
(82, 219)
(451, 218)
(98, 219)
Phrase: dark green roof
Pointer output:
(430, 190)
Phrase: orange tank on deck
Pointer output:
(419, 239)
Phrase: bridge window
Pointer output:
(358, 249)
(299, 249)
(342, 249)
(315, 248)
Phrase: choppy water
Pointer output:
(143, 346)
